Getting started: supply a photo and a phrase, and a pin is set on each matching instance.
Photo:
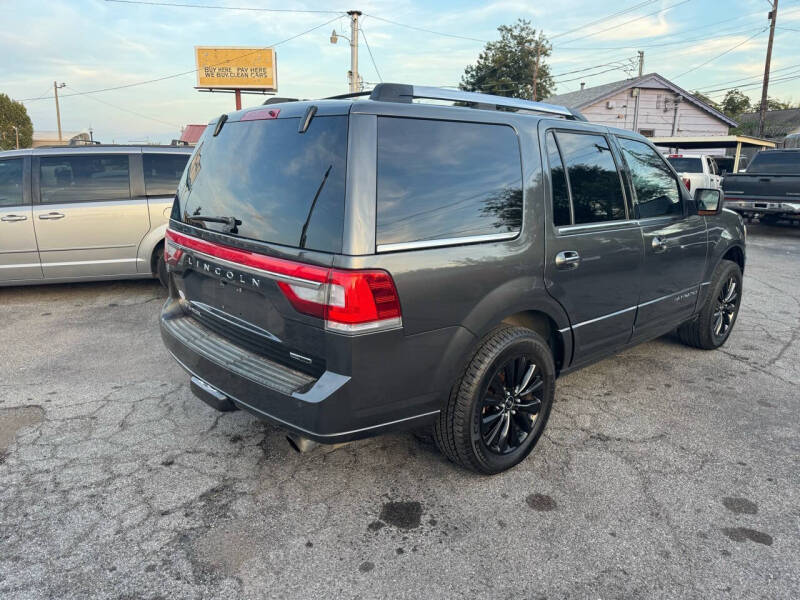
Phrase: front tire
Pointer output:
(499, 407)
(712, 327)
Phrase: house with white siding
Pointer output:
(649, 104)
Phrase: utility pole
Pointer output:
(536, 70)
(16, 131)
(56, 87)
(641, 61)
(636, 91)
(354, 79)
(773, 16)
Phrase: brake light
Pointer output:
(261, 114)
(675, 156)
(349, 301)
(687, 182)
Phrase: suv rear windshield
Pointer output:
(686, 165)
(281, 186)
(785, 163)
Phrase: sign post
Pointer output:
(236, 69)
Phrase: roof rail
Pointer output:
(398, 92)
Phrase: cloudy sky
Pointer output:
(96, 44)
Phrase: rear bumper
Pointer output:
(763, 207)
(330, 409)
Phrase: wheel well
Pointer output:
(154, 257)
(736, 255)
(542, 324)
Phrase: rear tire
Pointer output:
(712, 327)
(499, 407)
(160, 267)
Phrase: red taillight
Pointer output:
(675, 156)
(687, 182)
(349, 301)
(172, 254)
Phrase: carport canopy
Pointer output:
(714, 141)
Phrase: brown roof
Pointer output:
(191, 133)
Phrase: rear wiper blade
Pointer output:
(232, 222)
(311, 208)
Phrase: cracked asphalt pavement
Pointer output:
(665, 472)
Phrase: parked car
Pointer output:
(696, 170)
(770, 189)
(725, 164)
(347, 267)
(81, 213)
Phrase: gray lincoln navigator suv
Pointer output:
(349, 266)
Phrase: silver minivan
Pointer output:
(86, 212)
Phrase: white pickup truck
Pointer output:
(696, 170)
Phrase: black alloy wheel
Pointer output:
(511, 405)
(727, 304)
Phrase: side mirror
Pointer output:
(709, 201)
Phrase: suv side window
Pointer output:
(657, 192)
(84, 178)
(594, 180)
(162, 172)
(558, 183)
(445, 180)
(11, 182)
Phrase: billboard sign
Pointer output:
(231, 68)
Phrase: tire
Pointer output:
(160, 267)
(478, 402)
(704, 330)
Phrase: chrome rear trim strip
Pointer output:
(472, 239)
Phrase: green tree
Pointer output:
(14, 114)
(507, 67)
(703, 98)
(773, 104)
(735, 103)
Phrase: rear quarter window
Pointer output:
(445, 180)
(162, 172)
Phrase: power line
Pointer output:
(596, 21)
(731, 49)
(617, 62)
(181, 74)
(372, 58)
(590, 75)
(659, 11)
(675, 43)
(414, 27)
(745, 80)
(127, 110)
(218, 7)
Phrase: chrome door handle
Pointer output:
(13, 218)
(52, 216)
(659, 245)
(568, 259)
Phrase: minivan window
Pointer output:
(655, 187)
(685, 164)
(445, 179)
(285, 187)
(84, 178)
(11, 182)
(558, 183)
(593, 177)
(162, 172)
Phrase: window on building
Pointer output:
(593, 178)
(84, 178)
(442, 180)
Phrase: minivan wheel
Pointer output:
(712, 327)
(160, 266)
(499, 407)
